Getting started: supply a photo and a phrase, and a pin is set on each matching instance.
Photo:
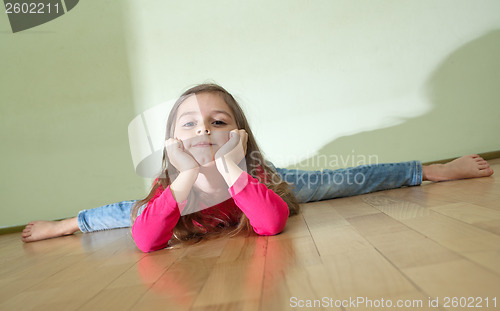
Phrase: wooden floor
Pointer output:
(400, 246)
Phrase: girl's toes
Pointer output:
(483, 166)
(485, 172)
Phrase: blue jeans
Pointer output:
(308, 186)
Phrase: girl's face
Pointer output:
(203, 123)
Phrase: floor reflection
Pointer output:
(200, 276)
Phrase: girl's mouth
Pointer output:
(203, 144)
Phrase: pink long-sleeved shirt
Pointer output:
(266, 211)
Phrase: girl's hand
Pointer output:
(179, 158)
(229, 156)
(235, 148)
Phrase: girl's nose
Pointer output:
(203, 132)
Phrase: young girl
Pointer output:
(205, 190)
(207, 139)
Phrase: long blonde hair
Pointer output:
(188, 228)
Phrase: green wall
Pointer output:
(65, 105)
(465, 117)
(375, 80)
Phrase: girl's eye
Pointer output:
(219, 122)
(188, 124)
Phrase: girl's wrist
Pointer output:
(183, 183)
(190, 172)
(229, 170)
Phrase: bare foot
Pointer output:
(42, 229)
(469, 166)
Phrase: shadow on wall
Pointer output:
(465, 95)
